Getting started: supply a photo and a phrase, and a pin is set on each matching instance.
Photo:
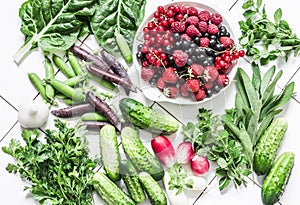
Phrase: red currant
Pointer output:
(161, 9)
(169, 13)
(241, 53)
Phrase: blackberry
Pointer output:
(190, 61)
(210, 52)
(168, 50)
(185, 45)
(177, 45)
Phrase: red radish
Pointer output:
(200, 165)
(184, 152)
(163, 150)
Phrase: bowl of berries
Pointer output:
(185, 53)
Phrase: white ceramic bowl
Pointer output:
(152, 92)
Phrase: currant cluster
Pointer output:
(187, 52)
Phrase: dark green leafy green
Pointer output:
(59, 170)
(117, 15)
(52, 25)
(259, 33)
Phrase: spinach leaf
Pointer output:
(123, 16)
(52, 25)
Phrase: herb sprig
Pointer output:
(58, 170)
(266, 39)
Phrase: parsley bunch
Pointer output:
(266, 39)
(59, 170)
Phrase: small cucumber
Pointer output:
(268, 145)
(109, 151)
(140, 156)
(153, 189)
(278, 177)
(147, 118)
(131, 180)
(109, 191)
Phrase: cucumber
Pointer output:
(140, 156)
(268, 145)
(109, 151)
(153, 189)
(109, 191)
(131, 180)
(278, 177)
(147, 118)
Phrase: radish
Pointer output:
(199, 165)
(184, 152)
(163, 150)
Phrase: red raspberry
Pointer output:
(200, 95)
(171, 91)
(192, 20)
(184, 90)
(197, 70)
(147, 73)
(180, 57)
(202, 26)
(160, 83)
(186, 37)
(192, 11)
(204, 42)
(192, 31)
(223, 80)
(193, 85)
(212, 29)
(169, 75)
(216, 19)
(177, 27)
(210, 74)
(204, 15)
(208, 85)
(226, 41)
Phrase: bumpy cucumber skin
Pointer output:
(132, 181)
(147, 118)
(109, 191)
(140, 156)
(109, 151)
(268, 145)
(153, 190)
(278, 177)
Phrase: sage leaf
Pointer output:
(270, 89)
(267, 79)
(256, 77)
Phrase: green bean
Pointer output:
(74, 80)
(67, 90)
(75, 63)
(105, 83)
(38, 84)
(63, 66)
(93, 116)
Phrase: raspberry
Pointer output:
(210, 74)
(170, 91)
(192, 20)
(204, 42)
(226, 41)
(147, 73)
(186, 37)
(204, 15)
(212, 29)
(223, 80)
(169, 75)
(200, 95)
(180, 57)
(208, 85)
(160, 83)
(197, 70)
(192, 31)
(177, 27)
(193, 85)
(184, 90)
(202, 26)
(216, 18)
(192, 11)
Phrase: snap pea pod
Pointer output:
(49, 74)
(38, 84)
(75, 63)
(105, 83)
(62, 66)
(93, 116)
(67, 90)
(74, 80)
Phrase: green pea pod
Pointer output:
(75, 63)
(49, 74)
(67, 90)
(38, 84)
(103, 82)
(93, 116)
(62, 66)
(123, 46)
(74, 80)
(71, 102)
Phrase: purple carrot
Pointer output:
(124, 82)
(74, 110)
(89, 57)
(105, 109)
(93, 125)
